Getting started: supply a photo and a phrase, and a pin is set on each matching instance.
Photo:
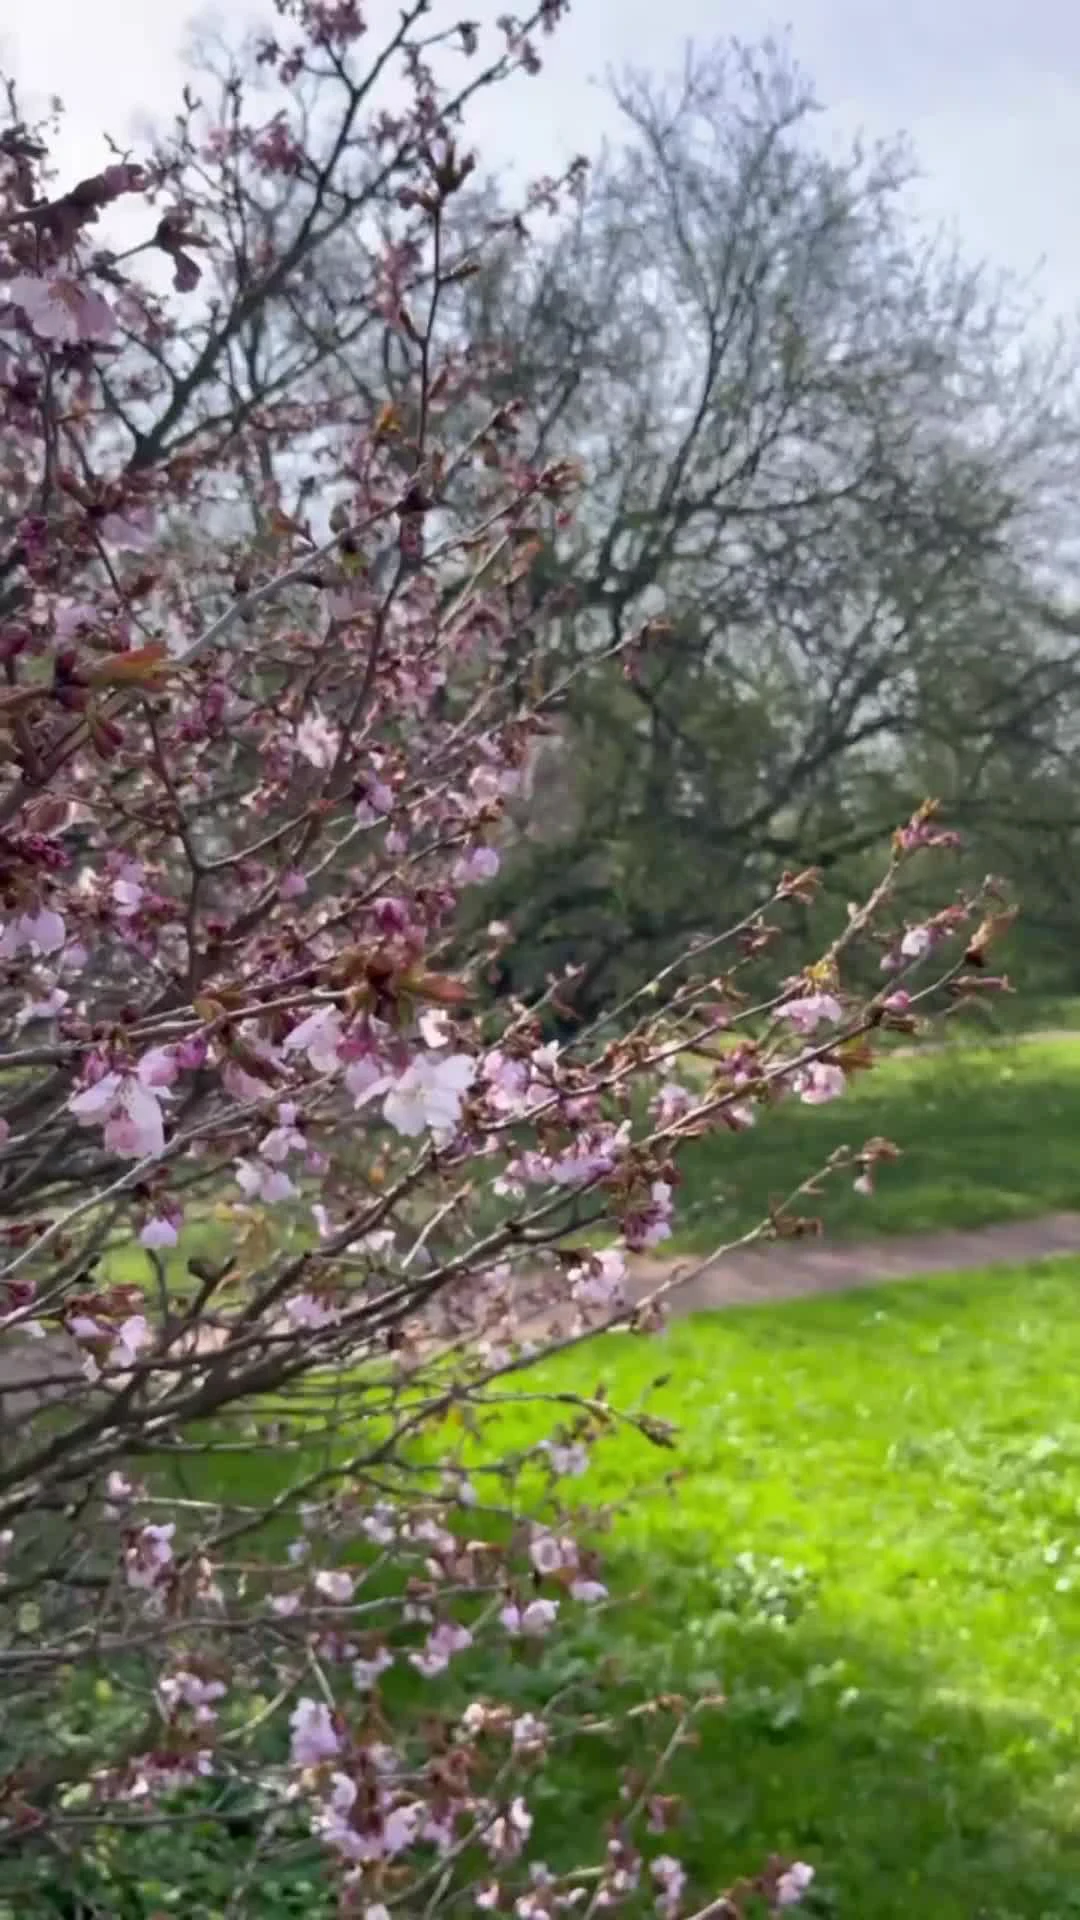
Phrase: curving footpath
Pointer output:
(793, 1269)
(753, 1277)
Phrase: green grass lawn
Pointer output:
(986, 1132)
(873, 1552)
(1021, 1012)
(876, 1553)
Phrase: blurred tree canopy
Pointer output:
(830, 470)
(836, 462)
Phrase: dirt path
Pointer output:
(788, 1270)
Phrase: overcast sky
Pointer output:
(988, 90)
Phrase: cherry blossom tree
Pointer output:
(290, 1201)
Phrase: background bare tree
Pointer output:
(829, 453)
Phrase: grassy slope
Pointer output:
(913, 1727)
(987, 1133)
(875, 1554)
(903, 1468)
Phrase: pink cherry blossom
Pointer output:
(593, 1153)
(507, 1834)
(133, 529)
(243, 1086)
(434, 1027)
(317, 740)
(159, 1068)
(129, 1112)
(646, 1226)
(333, 1823)
(75, 619)
(397, 1831)
(793, 1883)
(377, 802)
(128, 888)
(313, 1736)
(533, 1620)
(231, 943)
(808, 1013)
(529, 1734)
(335, 1584)
(916, 942)
(60, 309)
(48, 1007)
(599, 1280)
(84, 1327)
(429, 1094)
(307, 1310)
(132, 1336)
(493, 783)
(366, 1671)
(136, 1127)
(41, 930)
(161, 1772)
(506, 1081)
(672, 1102)
(438, 1650)
(380, 1525)
(72, 960)
(670, 1877)
(258, 1181)
(400, 1828)
(819, 1082)
(159, 1231)
(365, 1079)
(283, 1139)
(589, 1592)
(319, 1037)
(549, 1554)
(481, 864)
(149, 1555)
(184, 1689)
